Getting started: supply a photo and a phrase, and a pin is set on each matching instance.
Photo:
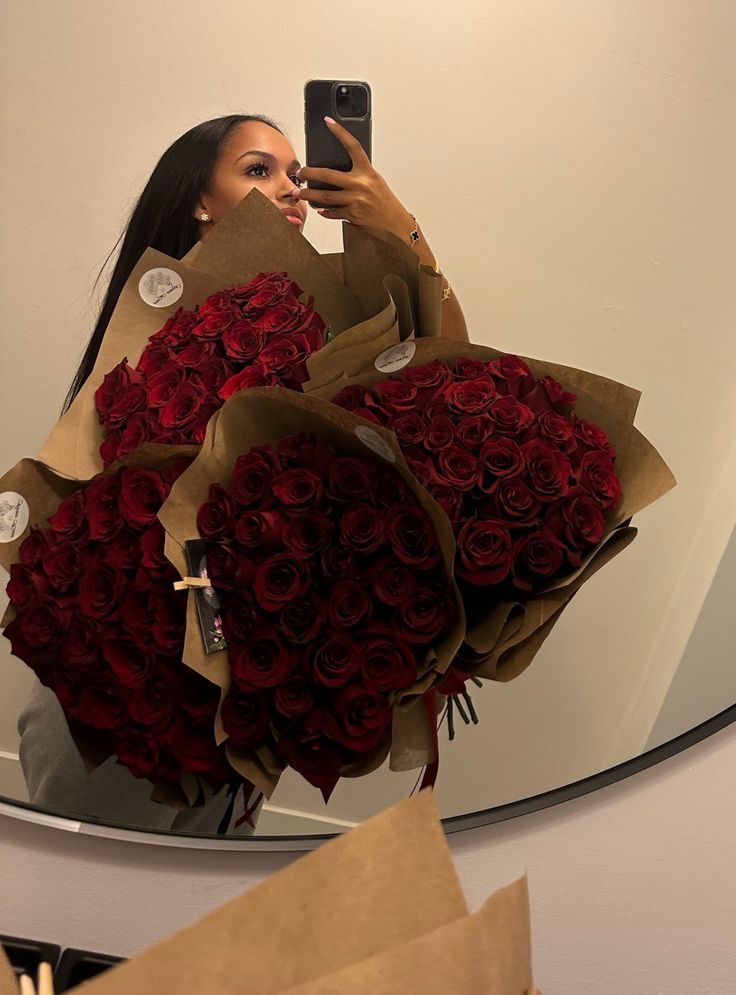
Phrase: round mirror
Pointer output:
(573, 171)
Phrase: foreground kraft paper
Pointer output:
(384, 883)
(489, 952)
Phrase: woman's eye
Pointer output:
(297, 181)
(260, 166)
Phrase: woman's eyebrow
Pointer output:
(266, 155)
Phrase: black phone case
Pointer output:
(323, 149)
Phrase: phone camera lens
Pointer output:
(351, 101)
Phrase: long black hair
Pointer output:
(163, 218)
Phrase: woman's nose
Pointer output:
(288, 190)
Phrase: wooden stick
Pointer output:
(45, 979)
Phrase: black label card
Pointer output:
(208, 604)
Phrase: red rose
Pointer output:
(412, 537)
(164, 384)
(308, 534)
(243, 341)
(262, 662)
(512, 375)
(290, 316)
(592, 436)
(312, 754)
(335, 661)
(268, 289)
(298, 489)
(428, 378)
(459, 468)
(515, 503)
(182, 408)
(256, 529)
(394, 395)
(152, 547)
(238, 617)
(124, 550)
(548, 470)
(425, 614)
(410, 428)
(169, 622)
(21, 587)
(213, 376)
(474, 430)
(348, 605)
(43, 624)
(306, 450)
(130, 662)
(133, 399)
(483, 552)
(388, 665)
(301, 621)
(62, 564)
(140, 428)
(279, 580)
(80, 649)
(151, 703)
(99, 591)
(389, 490)
(155, 356)
(500, 458)
(349, 479)
(252, 376)
(450, 499)
(69, 521)
(363, 528)
(391, 581)
(215, 517)
(537, 557)
(472, 369)
(245, 719)
(351, 398)
(511, 417)
(195, 354)
(556, 429)
(34, 546)
(216, 315)
(101, 505)
(137, 751)
(597, 475)
(559, 397)
(440, 433)
(114, 386)
(339, 563)
(286, 355)
(252, 476)
(469, 397)
(578, 521)
(422, 467)
(295, 698)
(179, 326)
(142, 492)
(364, 718)
(225, 568)
(102, 703)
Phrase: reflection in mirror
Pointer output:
(564, 199)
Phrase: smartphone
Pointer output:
(347, 101)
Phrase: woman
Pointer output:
(196, 183)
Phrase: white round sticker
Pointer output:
(396, 358)
(369, 437)
(160, 287)
(14, 514)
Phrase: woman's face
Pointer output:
(255, 155)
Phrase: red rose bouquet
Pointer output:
(332, 568)
(187, 333)
(94, 614)
(537, 478)
(248, 336)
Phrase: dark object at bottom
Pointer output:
(26, 955)
(77, 966)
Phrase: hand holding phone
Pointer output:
(348, 103)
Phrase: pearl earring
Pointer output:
(204, 216)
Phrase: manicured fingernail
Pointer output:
(330, 120)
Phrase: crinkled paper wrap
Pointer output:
(388, 296)
(264, 415)
(44, 490)
(376, 910)
(504, 642)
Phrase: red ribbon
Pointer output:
(247, 816)
(431, 770)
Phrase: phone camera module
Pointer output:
(351, 100)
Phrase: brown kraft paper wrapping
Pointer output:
(384, 883)
(487, 952)
(264, 416)
(505, 640)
